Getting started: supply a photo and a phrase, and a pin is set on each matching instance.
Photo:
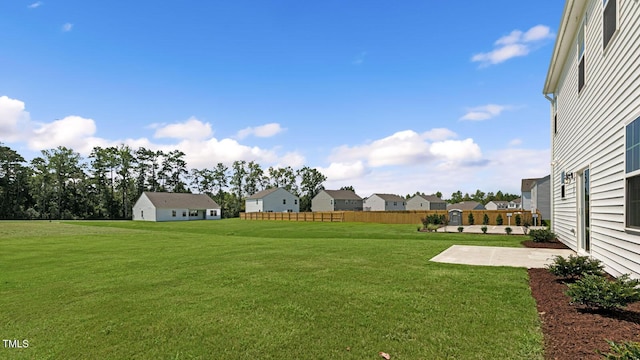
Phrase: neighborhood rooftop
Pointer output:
(263, 193)
(343, 194)
(164, 200)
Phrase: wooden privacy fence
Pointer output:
(329, 216)
(392, 217)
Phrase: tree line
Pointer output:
(61, 184)
(478, 196)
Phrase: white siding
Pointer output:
(143, 209)
(591, 134)
(376, 203)
(253, 205)
(280, 200)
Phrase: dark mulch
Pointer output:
(545, 245)
(574, 332)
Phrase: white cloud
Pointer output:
(339, 171)
(516, 44)
(36, 4)
(263, 131)
(409, 148)
(71, 131)
(14, 120)
(67, 27)
(484, 112)
(536, 33)
(515, 142)
(192, 129)
(359, 60)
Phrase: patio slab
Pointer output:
(500, 256)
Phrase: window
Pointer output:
(633, 146)
(609, 21)
(295, 201)
(562, 185)
(632, 152)
(193, 212)
(213, 212)
(284, 201)
(633, 202)
(184, 214)
(395, 203)
(581, 57)
(173, 213)
(142, 214)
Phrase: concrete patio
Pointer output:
(499, 256)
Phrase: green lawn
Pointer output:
(235, 289)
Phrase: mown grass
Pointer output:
(236, 289)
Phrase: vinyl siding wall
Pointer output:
(591, 134)
(376, 203)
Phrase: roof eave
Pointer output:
(571, 16)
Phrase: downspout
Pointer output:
(553, 168)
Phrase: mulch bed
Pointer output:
(575, 332)
(544, 245)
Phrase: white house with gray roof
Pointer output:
(272, 200)
(593, 86)
(384, 202)
(163, 206)
(336, 200)
(426, 202)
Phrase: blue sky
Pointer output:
(391, 97)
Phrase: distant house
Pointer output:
(515, 203)
(525, 193)
(384, 202)
(162, 206)
(593, 88)
(497, 205)
(541, 197)
(272, 200)
(426, 202)
(336, 200)
(466, 205)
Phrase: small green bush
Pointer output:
(508, 230)
(485, 219)
(626, 350)
(518, 220)
(542, 235)
(484, 229)
(499, 219)
(575, 266)
(598, 292)
(433, 219)
(432, 227)
(460, 228)
(471, 219)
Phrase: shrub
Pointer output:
(484, 229)
(508, 230)
(471, 219)
(526, 223)
(460, 228)
(485, 219)
(518, 219)
(575, 266)
(543, 222)
(626, 350)
(597, 291)
(499, 219)
(433, 219)
(432, 227)
(420, 228)
(542, 235)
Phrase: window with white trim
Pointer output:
(609, 20)
(632, 162)
(562, 192)
(581, 57)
